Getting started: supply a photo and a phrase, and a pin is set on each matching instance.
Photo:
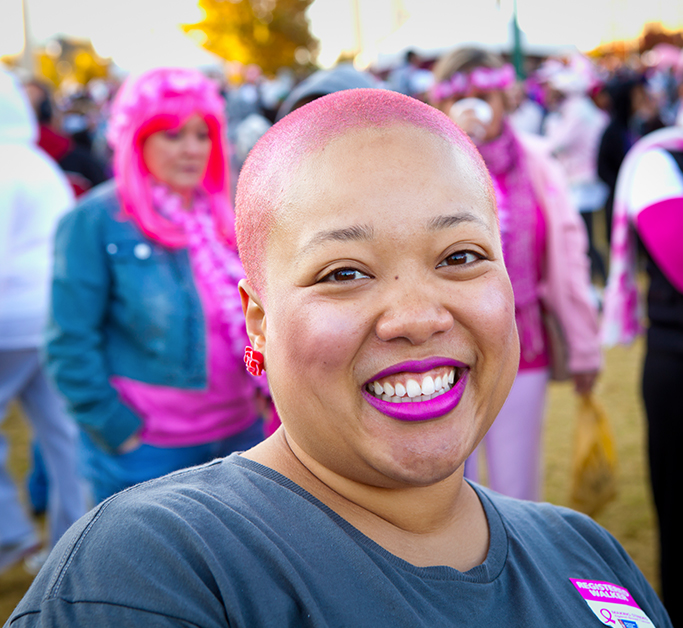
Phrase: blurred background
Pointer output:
(71, 42)
(260, 50)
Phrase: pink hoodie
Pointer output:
(565, 286)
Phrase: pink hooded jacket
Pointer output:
(565, 286)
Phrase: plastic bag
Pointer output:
(594, 465)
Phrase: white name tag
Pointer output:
(612, 604)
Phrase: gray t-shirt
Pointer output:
(233, 543)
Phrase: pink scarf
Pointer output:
(517, 207)
(622, 308)
(214, 263)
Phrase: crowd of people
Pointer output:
(409, 257)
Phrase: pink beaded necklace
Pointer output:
(215, 264)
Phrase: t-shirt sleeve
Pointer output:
(656, 178)
(121, 565)
(656, 210)
(60, 612)
(628, 573)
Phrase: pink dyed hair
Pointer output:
(159, 100)
(272, 163)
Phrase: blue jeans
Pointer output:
(110, 473)
(23, 379)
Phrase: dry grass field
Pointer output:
(630, 517)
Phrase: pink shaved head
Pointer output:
(272, 164)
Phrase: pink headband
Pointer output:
(485, 79)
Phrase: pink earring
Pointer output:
(254, 361)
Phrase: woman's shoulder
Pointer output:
(123, 558)
(168, 545)
(97, 211)
(656, 177)
(534, 146)
(543, 167)
(546, 528)
(225, 487)
(102, 198)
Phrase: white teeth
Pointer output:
(412, 391)
(428, 387)
(413, 388)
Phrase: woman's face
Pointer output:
(178, 157)
(465, 120)
(384, 268)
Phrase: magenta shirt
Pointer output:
(174, 417)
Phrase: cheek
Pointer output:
(492, 314)
(155, 157)
(318, 336)
(204, 153)
(497, 102)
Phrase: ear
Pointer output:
(254, 315)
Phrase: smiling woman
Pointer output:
(378, 297)
(401, 300)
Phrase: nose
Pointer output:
(415, 316)
(194, 144)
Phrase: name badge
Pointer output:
(612, 604)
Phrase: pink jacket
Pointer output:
(565, 286)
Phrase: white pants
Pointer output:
(22, 377)
(513, 444)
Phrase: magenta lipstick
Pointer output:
(420, 410)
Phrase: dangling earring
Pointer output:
(254, 361)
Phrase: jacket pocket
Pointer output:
(146, 294)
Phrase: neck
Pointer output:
(442, 524)
(186, 196)
(413, 509)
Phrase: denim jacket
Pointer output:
(123, 305)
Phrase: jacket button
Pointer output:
(112, 249)
(142, 250)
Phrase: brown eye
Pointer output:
(460, 259)
(344, 274)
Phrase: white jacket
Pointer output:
(34, 193)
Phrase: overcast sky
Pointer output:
(143, 33)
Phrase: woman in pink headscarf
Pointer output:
(146, 339)
(545, 245)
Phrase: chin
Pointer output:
(423, 467)
(427, 474)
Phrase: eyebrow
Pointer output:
(356, 233)
(452, 220)
(360, 233)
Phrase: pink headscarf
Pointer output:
(161, 99)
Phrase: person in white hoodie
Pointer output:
(34, 194)
(573, 133)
